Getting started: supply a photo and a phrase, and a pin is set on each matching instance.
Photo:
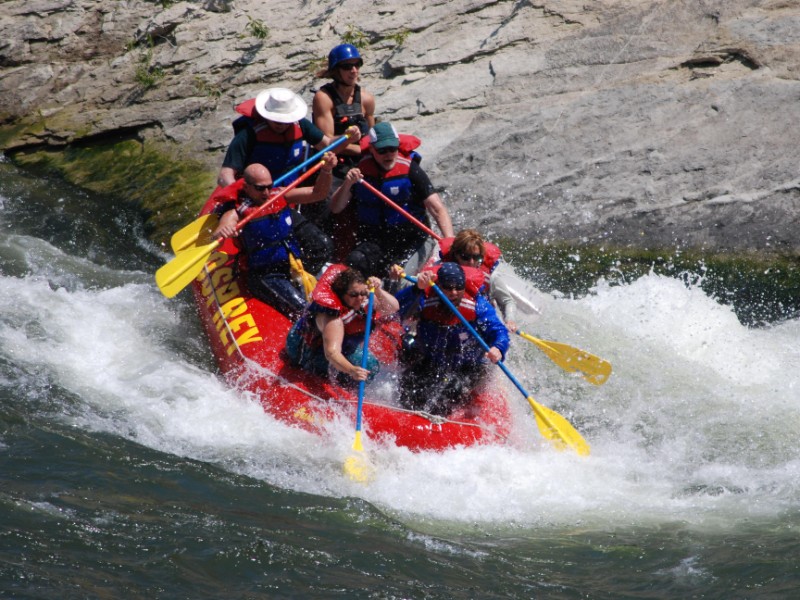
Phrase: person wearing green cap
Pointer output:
(384, 236)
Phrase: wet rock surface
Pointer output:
(645, 123)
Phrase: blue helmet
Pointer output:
(343, 52)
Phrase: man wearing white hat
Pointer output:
(273, 131)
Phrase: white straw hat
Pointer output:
(281, 105)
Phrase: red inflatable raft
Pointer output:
(247, 338)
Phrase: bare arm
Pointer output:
(368, 104)
(351, 132)
(438, 211)
(322, 109)
(226, 176)
(384, 301)
(342, 196)
(227, 225)
(306, 195)
(332, 329)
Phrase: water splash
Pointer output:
(695, 423)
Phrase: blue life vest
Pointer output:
(395, 185)
(443, 338)
(267, 240)
(279, 152)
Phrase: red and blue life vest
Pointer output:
(324, 299)
(267, 238)
(279, 152)
(434, 310)
(395, 185)
(441, 336)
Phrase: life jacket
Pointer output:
(324, 299)
(344, 114)
(436, 311)
(395, 185)
(441, 336)
(408, 144)
(279, 152)
(225, 197)
(491, 254)
(267, 238)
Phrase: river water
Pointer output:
(129, 470)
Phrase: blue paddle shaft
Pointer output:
(307, 162)
(364, 356)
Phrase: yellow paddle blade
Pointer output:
(594, 369)
(181, 270)
(557, 429)
(356, 467)
(196, 233)
(357, 446)
(308, 281)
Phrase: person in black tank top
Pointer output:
(337, 105)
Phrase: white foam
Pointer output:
(697, 423)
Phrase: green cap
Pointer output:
(384, 135)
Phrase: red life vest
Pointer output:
(355, 321)
(491, 254)
(267, 230)
(234, 193)
(279, 152)
(435, 310)
(407, 143)
(263, 133)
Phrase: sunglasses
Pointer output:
(363, 294)
(452, 288)
(385, 150)
(261, 188)
(348, 66)
(468, 257)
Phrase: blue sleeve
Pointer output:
(489, 325)
(409, 299)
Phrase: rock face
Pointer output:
(651, 123)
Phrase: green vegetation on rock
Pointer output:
(257, 28)
(171, 190)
